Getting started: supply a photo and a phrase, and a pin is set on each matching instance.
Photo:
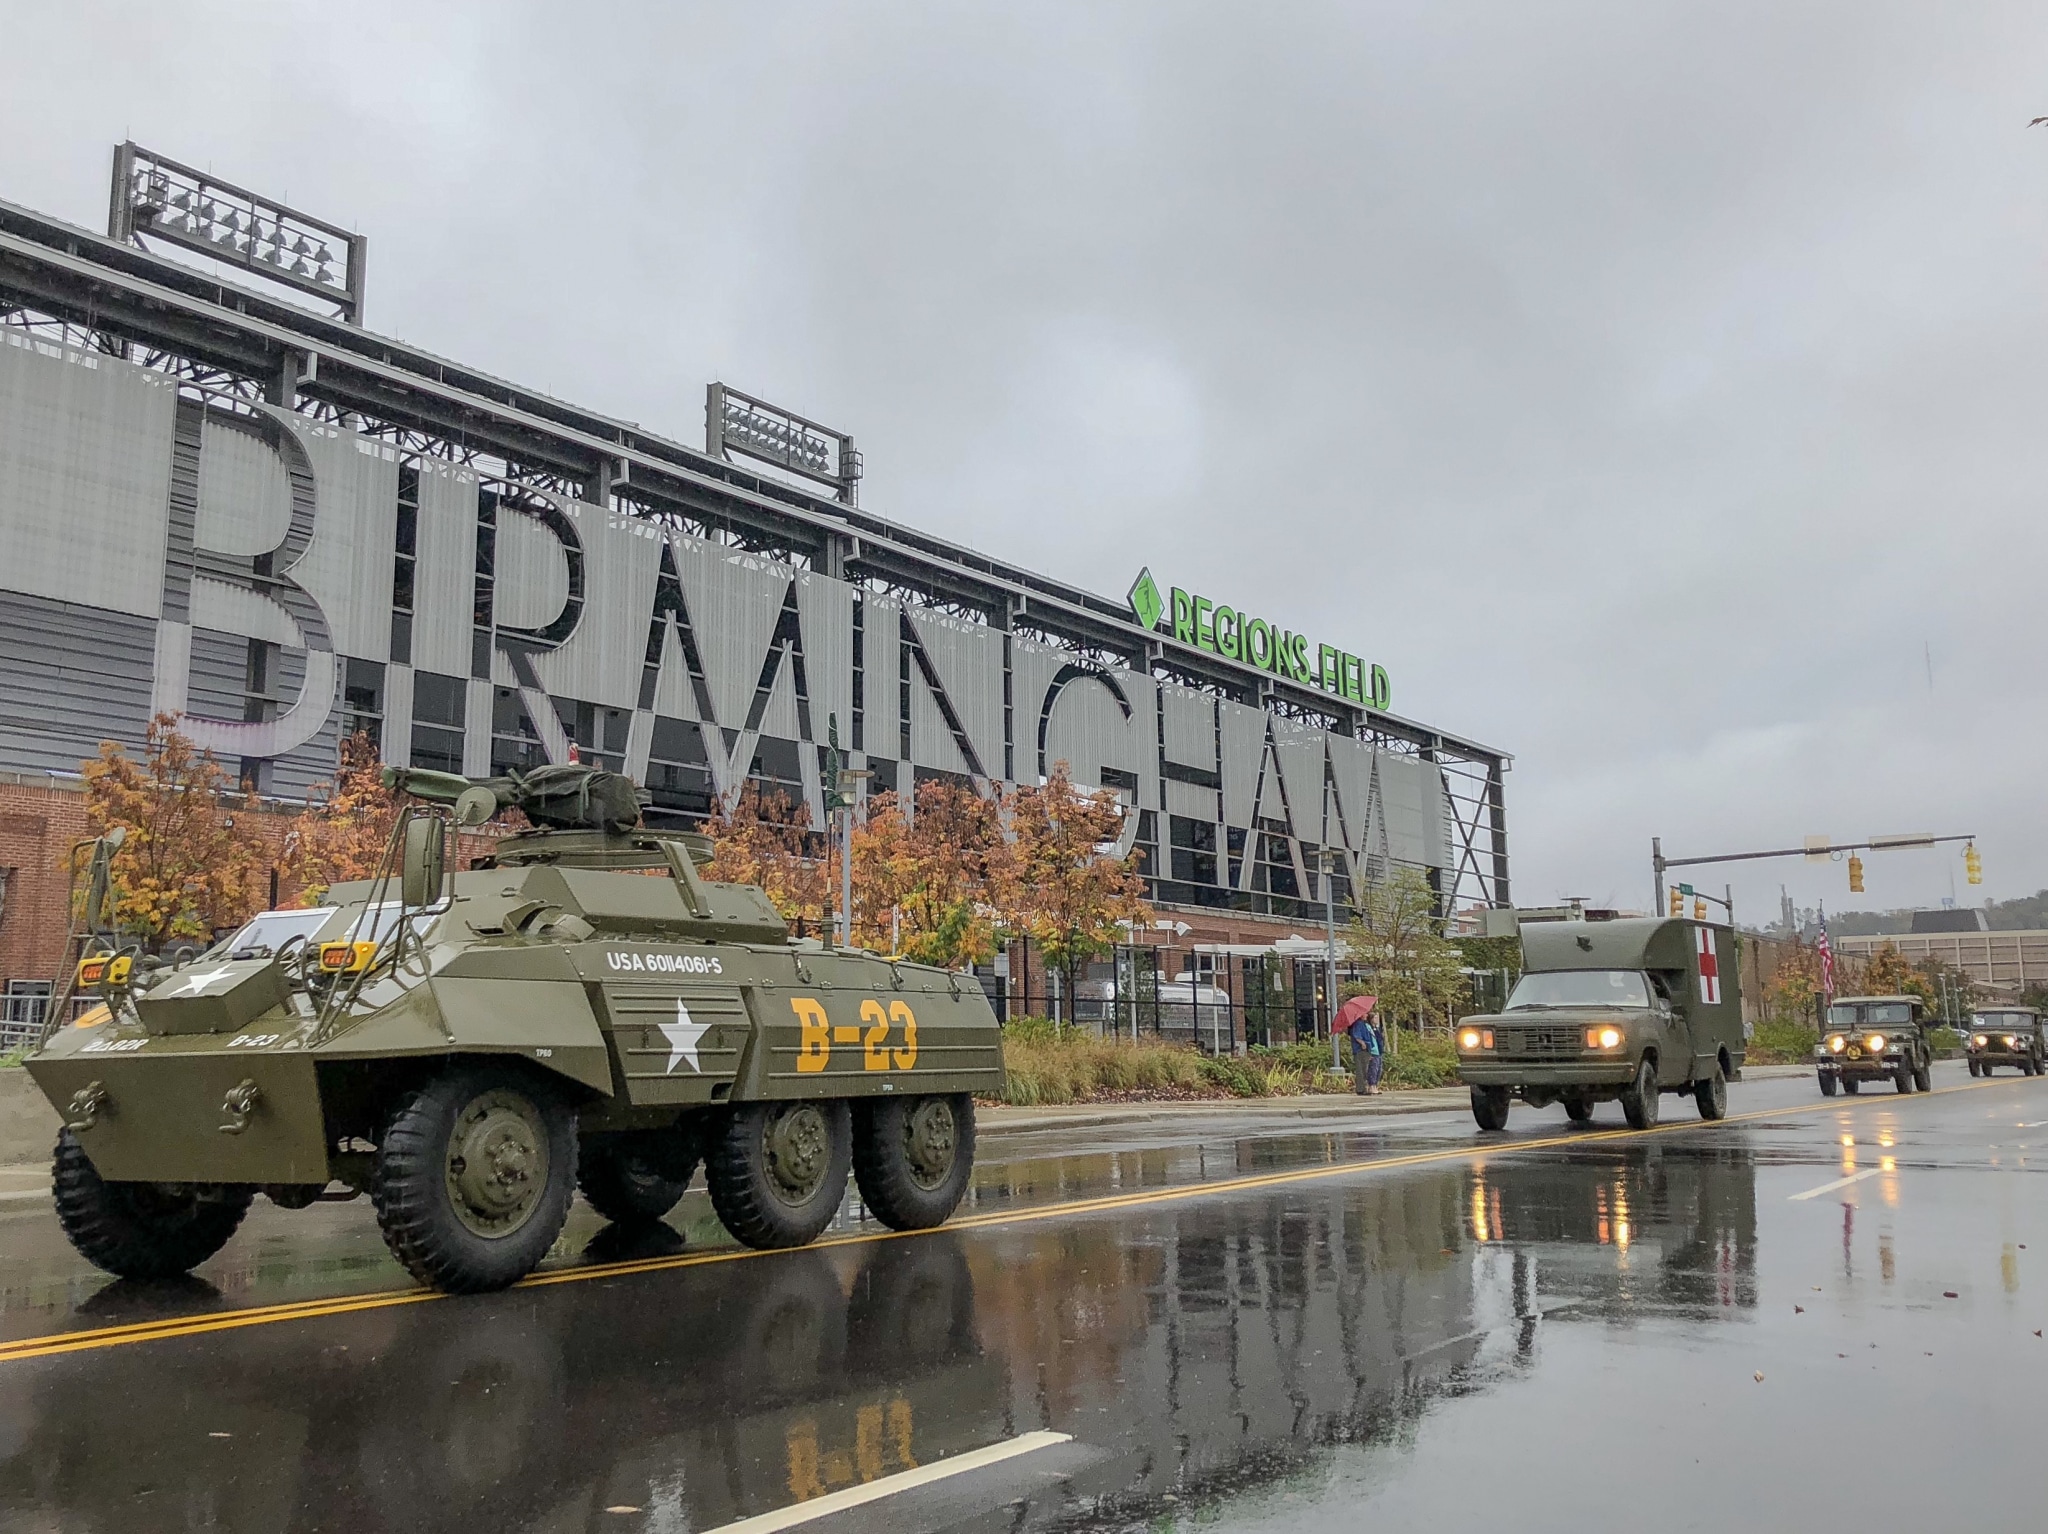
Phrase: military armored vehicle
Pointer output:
(1875, 1038)
(1627, 1009)
(580, 1009)
(2009, 1036)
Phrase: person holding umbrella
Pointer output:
(1355, 1019)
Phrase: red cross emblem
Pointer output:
(1710, 968)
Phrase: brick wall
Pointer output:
(39, 820)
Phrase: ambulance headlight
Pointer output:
(1606, 1036)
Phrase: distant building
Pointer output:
(2010, 961)
(1951, 919)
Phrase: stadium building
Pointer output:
(225, 502)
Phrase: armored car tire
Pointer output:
(636, 1176)
(142, 1230)
(777, 1171)
(1490, 1107)
(474, 1178)
(912, 1157)
(1711, 1093)
(1851, 1085)
(1923, 1076)
(1902, 1078)
(1639, 1097)
(1828, 1085)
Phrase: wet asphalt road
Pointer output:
(1237, 1324)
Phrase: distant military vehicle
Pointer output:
(1627, 1009)
(581, 1009)
(2009, 1036)
(1875, 1038)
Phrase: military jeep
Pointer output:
(1877, 1039)
(2009, 1036)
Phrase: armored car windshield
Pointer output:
(273, 929)
(1581, 988)
(2002, 1020)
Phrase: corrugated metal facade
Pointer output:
(135, 526)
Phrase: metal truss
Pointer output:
(236, 347)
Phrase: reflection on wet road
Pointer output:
(1558, 1330)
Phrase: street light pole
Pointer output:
(1330, 951)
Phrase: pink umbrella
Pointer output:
(1354, 1009)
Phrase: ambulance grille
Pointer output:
(1543, 1043)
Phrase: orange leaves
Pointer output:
(343, 832)
(186, 868)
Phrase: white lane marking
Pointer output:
(1839, 1182)
(855, 1496)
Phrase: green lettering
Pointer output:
(1329, 671)
(1297, 657)
(1205, 633)
(1381, 692)
(1228, 632)
(1354, 678)
(1258, 643)
(1183, 617)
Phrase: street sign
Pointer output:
(1685, 890)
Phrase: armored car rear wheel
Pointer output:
(141, 1230)
(777, 1171)
(636, 1176)
(474, 1178)
(912, 1157)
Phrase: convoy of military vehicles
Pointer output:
(582, 1009)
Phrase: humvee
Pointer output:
(582, 1008)
(1875, 1038)
(1627, 1009)
(2009, 1036)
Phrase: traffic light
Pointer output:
(1677, 903)
(1699, 910)
(1855, 874)
(1973, 863)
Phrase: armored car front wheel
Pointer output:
(142, 1230)
(777, 1172)
(474, 1178)
(912, 1157)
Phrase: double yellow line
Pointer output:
(305, 1310)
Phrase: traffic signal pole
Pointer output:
(1660, 864)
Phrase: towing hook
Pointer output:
(83, 1111)
(240, 1102)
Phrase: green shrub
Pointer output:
(1778, 1042)
(1421, 1062)
(1240, 1078)
(13, 1058)
(1947, 1042)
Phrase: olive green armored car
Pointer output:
(2008, 1036)
(580, 1009)
(1875, 1038)
(1627, 1009)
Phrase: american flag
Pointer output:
(1826, 951)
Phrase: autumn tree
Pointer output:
(764, 838)
(931, 881)
(344, 830)
(185, 868)
(1397, 944)
(1794, 983)
(1064, 888)
(1888, 974)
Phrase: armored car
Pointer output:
(580, 1009)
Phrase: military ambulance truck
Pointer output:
(1626, 1010)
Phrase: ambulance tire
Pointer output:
(1711, 1093)
(1639, 1097)
(1490, 1108)
(1579, 1109)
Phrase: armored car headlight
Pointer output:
(1837, 1044)
(2011, 1042)
(1980, 1041)
(1875, 1043)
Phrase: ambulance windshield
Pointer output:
(1580, 988)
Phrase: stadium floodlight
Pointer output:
(739, 423)
(182, 206)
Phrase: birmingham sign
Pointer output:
(1236, 635)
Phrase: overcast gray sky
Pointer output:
(1651, 388)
